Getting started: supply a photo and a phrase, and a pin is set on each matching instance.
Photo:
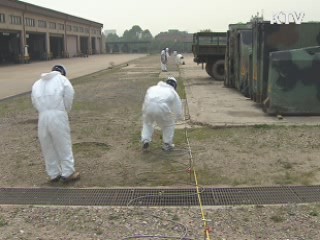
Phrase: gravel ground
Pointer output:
(253, 222)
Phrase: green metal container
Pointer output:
(269, 38)
(232, 57)
(294, 82)
(244, 73)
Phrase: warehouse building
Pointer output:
(29, 32)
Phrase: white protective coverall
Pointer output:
(179, 59)
(164, 59)
(52, 96)
(162, 105)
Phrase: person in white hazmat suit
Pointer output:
(162, 105)
(52, 96)
(179, 59)
(164, 59)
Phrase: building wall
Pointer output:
(72, 45)
(25, 19)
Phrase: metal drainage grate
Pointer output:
(160, 197)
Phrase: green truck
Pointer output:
(210, 48)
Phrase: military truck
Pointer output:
(210, 48)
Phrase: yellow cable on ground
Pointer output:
(192, 167)
(205, 223)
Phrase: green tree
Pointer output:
(112, 37)
(146, 35)
(175, 40)
(134, 34)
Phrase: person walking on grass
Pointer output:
(52, 96)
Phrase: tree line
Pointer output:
(138, 40)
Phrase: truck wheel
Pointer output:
(218, 70)
(209, 68)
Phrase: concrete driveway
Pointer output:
(17, 79)
(211, 103)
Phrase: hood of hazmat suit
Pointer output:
(52, 91)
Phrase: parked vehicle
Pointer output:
(210, 48)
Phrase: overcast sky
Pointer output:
(184, 15)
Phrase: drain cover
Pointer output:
(160, 197)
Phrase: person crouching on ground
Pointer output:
(179, 59)
(52, 96)
(162, 105)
